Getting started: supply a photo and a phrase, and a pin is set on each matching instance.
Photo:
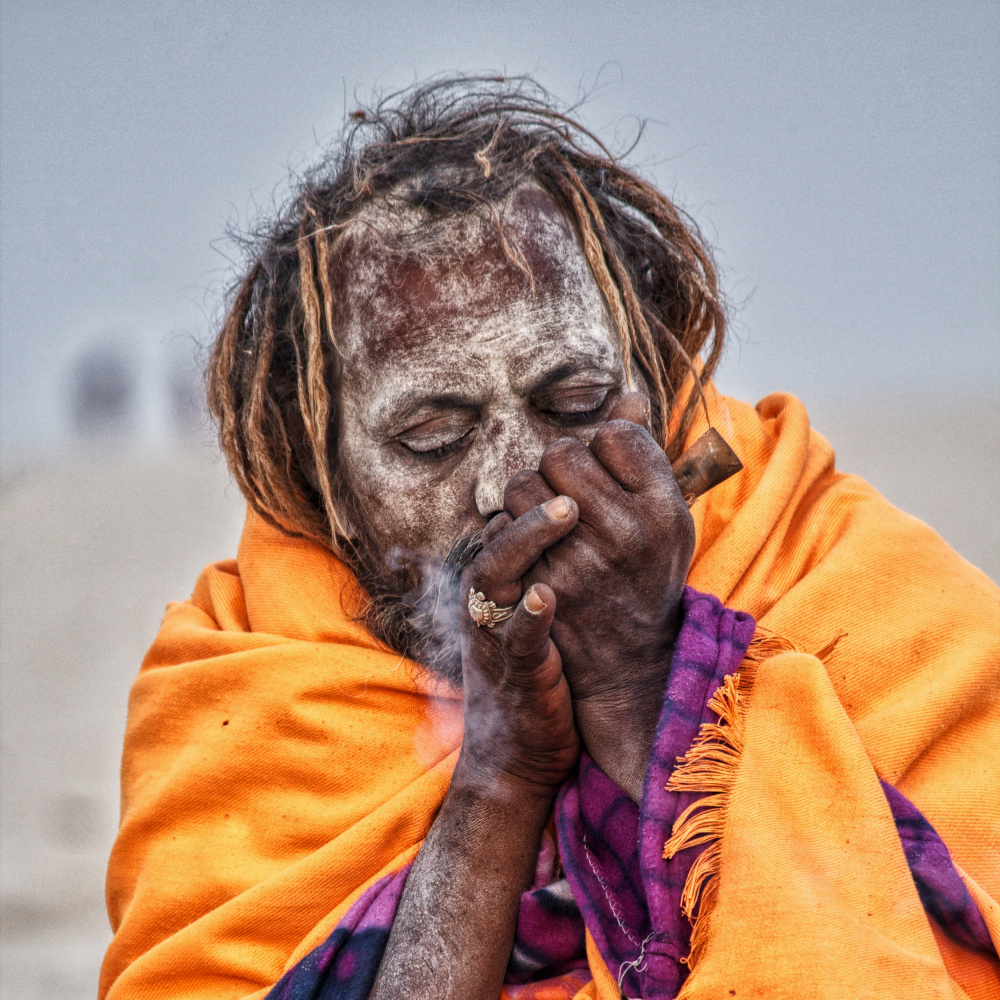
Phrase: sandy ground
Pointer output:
(92, 551)
(93, 548)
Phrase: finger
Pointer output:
(632, 406)
(494, 526)
(526, 636)
(571, 468)
(497, 570)
(524, 490)
(632, 456)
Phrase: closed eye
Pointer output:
(575, 406)
(441, 450)
(441, 436)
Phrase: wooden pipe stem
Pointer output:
(708, 462)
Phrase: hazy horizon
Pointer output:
(842, 160)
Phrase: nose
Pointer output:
(509, 447)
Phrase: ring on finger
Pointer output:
(484, 612)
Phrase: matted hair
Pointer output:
(447, 147)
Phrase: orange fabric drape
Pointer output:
(277, 761)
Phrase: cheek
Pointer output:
(405, 507)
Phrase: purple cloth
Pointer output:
(344, 966)
(550, 939)
(612, 850)
(939, 885)
(616, 880)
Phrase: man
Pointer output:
(632, 749)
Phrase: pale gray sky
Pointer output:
(843, 158)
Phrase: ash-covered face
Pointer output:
(455, 374)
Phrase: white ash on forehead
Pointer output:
(540, 241)
(397, 225)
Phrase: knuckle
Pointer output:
(565, 450)
(482, 570)
(524, 489)
(602, 435)
(620, 433)
(494, 526)
(525, 479)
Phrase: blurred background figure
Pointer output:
(104, 391)
(844, 160)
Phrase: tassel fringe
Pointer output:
(709, 769)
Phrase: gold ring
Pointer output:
(484, 612)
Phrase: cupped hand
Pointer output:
(618, 579)
(519, 729)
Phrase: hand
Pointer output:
(455, 924)
(519, 729)
(618, 579)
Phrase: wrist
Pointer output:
(502, 786)
(618, 728)
(634, 695)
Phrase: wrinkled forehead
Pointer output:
(405, 282)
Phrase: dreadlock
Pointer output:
(447, 147)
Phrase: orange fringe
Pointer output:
(709, 769)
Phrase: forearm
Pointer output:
(455, 925)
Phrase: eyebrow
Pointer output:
(582, 365)
(578, 363)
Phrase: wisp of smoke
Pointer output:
(415, 603)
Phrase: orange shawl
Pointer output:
(277, 761)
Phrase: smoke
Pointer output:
(415, 603)
(415, 606)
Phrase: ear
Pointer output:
(302, 449)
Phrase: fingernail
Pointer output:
(533, 602)
(558, 508)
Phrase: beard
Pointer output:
(414, 602)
